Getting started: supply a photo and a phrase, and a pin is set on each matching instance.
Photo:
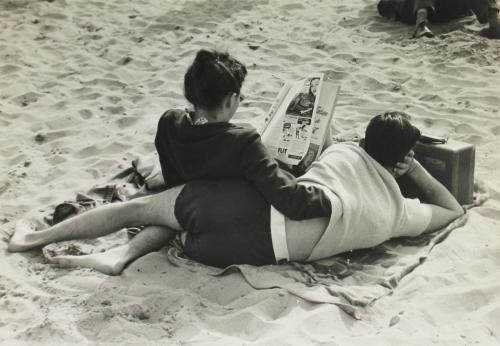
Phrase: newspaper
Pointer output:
(296, 125)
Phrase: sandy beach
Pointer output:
(82, 85)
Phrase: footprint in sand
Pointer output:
(126, 122)
(155, 84)
(57, 16)
(107, 83)
(26, 99)
(81, 91)
(91, 96)
(161, 28)
(3, 122)
(19, 310)
(113, 99)
(320, 45)
(6, 69)
(495, 130)
(90, 27)
(291, 7)
(124, 60)
(13, 4)
(137, 98)
(65, 122)
(431, 98)
(3, 188)
(53, 135)
(466, 128)
(49, 28)
(475, 139)
(114, 110)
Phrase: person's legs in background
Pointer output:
(421, 10)
(487, 11)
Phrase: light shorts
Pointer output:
(278, 236)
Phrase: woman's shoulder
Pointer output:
(243, 131)
(244, 138)
(172, 118)
(173, 113)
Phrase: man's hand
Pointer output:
(405, 166)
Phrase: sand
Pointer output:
(82, 86)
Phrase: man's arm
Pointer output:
(444, 206)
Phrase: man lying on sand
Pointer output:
(227, 221)
(421, 12)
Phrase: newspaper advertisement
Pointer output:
(297, 122)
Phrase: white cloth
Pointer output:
(278, 236)
(372, 209)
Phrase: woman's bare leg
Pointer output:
(156, 209)
(113, 261)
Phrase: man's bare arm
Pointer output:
(445, 208)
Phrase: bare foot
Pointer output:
(111, 262)
(23, 238)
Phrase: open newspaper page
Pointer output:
(297, 122)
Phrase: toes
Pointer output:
(62, 262)
(53, 259)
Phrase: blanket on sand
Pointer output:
(351, 281)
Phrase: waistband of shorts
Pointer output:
(278, 236)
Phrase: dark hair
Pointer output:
(389, 137)
(390, 8)
(211, 77)
(311, 83)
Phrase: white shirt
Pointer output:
(367, 205)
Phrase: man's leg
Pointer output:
(421, 10)
(113, 261)
(156, 209)
(487, 11)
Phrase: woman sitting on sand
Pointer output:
(204, 144)
(227, 221)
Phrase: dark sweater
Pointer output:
(224, 150)
(444, 10)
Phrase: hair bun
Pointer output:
(212, 76)
(203, 56)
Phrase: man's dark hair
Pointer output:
(211, 77)
(389, 137)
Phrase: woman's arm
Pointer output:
(444, 206)
(280, 188)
